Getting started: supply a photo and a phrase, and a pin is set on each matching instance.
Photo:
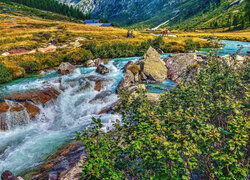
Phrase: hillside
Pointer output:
(186, 14)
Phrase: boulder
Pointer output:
(66, 68)
(177, 63)
(7, 175)
(127, 81)
(101, 69)
(154, 67)
(93, 63)
(41, 96)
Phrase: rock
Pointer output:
(154, 67)
(42, 96)
(31, 109)
(6, 54)
(102, 97)
(94, 63)
(7, 175)
(66, 68)
(90, 63)
(248, 52)
(101, 69)
(177, 63)
(62, 164)
(143, 76)
(14, 114)
(98, 85)
(137, 77)
(125, 68)
(110, 107)
(127, 81)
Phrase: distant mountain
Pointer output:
(185, 14)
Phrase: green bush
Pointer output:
(199, 130)
(5, 75)
(191, 45)
(30, 64)
(119, 49)
(78, 56)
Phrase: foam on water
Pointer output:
(25, 147)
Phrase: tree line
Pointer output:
(53, 6)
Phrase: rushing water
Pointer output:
(26, 147)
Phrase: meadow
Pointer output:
(32, 43)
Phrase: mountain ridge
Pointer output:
(148, 14)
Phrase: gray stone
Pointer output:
(101, 69)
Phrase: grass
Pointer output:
(237, 35)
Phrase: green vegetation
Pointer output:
(4, 74)
(123, 49)
(198, 130)
(212, 15)
(53, 6)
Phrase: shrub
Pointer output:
(30, 64)
(5, 75)
(78, 56)
(191, 45)
(199, 130)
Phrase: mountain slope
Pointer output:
(147, 13)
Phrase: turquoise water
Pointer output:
(230, 47)
(25, 147)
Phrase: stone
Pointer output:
(110, 107)
(90, 63)
(177, 63)
(154, 67)
(93, 63)
(127, 81)
(125, 68)
(143, 76)
(102, 97)
(66, 68)
(98, 85)
(101, 69)
(42, 96)
(31, 109)
(6, 54)
(137, 77)
(7, 175)
(15, 113)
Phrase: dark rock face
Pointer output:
(177, 63)
(66, 68)
(101, 69)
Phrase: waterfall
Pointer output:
(16, 115)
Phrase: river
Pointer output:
(26, 147)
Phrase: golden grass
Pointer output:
(238, 36)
